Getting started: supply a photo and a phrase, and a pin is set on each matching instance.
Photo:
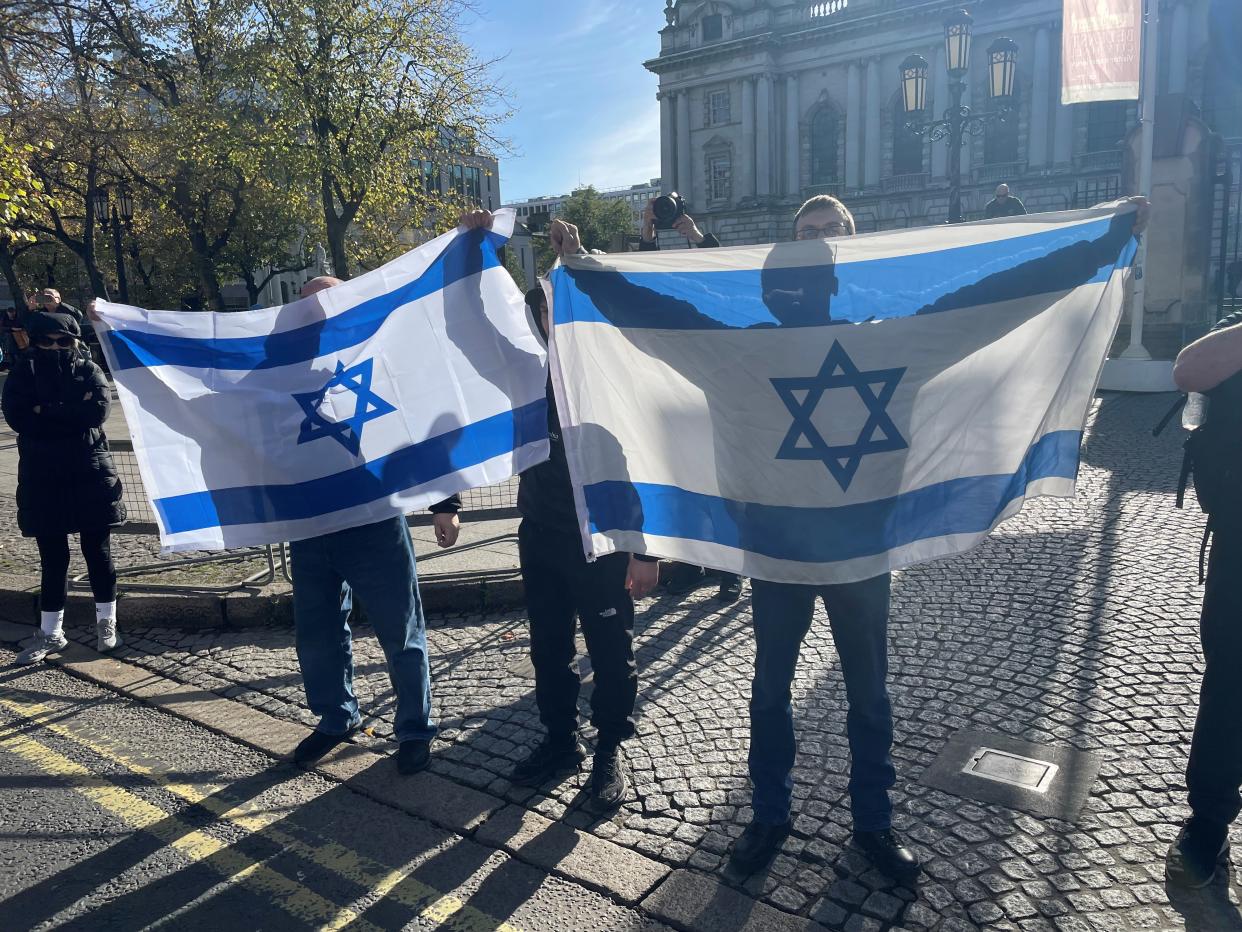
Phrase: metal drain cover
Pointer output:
(1014, 769)
(991, 768)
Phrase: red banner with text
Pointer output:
(1101, 43)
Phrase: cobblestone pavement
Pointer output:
(1074, 625)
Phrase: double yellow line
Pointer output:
(299, 901)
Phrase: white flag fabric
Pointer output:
(1101, 50)
(374, 398)
(823, 412)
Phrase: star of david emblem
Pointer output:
(878, 435)
(348, 433)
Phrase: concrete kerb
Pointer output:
(271, 605)
(625, 876)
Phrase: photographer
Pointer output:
(684, 577)
(57, 401)
(1213, 366)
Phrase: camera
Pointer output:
(667, 208)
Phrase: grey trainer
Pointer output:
(42, 645)
(105, 631)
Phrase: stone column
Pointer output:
(745, 170)
(853, 126)
(1063, 123)
(871, 163)
(1179, 49)
(763, 136)
(1041, 94)
(684, 185)
(940, 103)
(666, 142)
(793, 138)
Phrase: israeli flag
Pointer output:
(374, 398)
(823, 412)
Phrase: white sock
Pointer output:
(105, 610)
(52, 622)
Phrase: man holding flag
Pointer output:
(671, 321)
(376, 562)
(314, 423)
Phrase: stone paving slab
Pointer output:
(582, 857)
(1074, 625)
(697, 903)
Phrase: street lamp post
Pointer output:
(959, 122)
(122, 209)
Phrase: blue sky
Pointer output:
(585, 108)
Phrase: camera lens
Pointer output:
(664, 208)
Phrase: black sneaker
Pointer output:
(1200, 847)
(608, 782)
(758, 845)
(550, 758)
(888, 854)
(412, 756)
(730, 588)
(317, 744)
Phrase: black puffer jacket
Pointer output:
(66, 480)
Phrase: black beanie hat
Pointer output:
(43, 324)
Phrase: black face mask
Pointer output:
(50, 368)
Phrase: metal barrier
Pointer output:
(485, 504)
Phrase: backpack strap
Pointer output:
(1184, 479)
(1164, 421)
(1203, 549)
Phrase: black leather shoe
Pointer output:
(413, 756)
(730, 589)
(317, 744)
(1199, 849)
(682, 578)
(758, 845)
(608, 782)
(549, 758)
(888, 854)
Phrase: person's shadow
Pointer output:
(796, 289)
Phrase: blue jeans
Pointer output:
(858, 614)
(375, 562)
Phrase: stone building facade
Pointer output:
(766, 102)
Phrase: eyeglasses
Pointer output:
(827, 231)
(65, 342)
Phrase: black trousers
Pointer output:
(54, 563)
(1214, 775)
(560, 587)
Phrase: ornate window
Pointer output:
(907, 146)
(825, 132)
(713, 27)
(716, 107)
(1106, 125)
(719, 177)
(1000, 137)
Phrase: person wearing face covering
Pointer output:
(56, 401)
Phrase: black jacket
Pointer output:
(545, 494)
(66, 480)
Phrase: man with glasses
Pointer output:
(858, 612)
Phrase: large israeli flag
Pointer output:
(822, 412)
(374, 398)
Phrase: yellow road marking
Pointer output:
(371, 875)
(195, 845)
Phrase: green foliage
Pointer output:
(247, 131)
(514, 267)
(600, 221)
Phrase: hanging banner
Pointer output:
(1101, 43)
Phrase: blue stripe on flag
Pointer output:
(824, 535)
(849, 292)
(469, 254)
(403, 469)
